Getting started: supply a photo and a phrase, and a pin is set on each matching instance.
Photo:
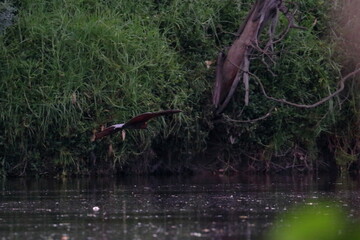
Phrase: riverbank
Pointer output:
(71, 67)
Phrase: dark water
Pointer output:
(202, 207)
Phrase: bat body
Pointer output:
(138, 122)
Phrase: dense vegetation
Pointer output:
(68, 67)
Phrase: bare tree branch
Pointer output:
(341, 83)
(341, 88)
(250, 120)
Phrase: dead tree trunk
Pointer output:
(234, 66)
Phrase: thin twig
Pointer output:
(263, 51)
(290, 17)
(250, 120)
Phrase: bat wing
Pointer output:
(109, 130)
(143, 118)
(136, 122)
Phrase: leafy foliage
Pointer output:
(320, 221)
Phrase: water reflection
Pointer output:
(204, 206)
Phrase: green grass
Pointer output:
(70, 69)
(71, 66)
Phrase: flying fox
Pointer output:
(138, 122)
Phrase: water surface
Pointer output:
(201, 207)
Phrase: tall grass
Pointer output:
(71, 67)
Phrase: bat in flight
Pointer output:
(138, 122)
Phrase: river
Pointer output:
(194, 207)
